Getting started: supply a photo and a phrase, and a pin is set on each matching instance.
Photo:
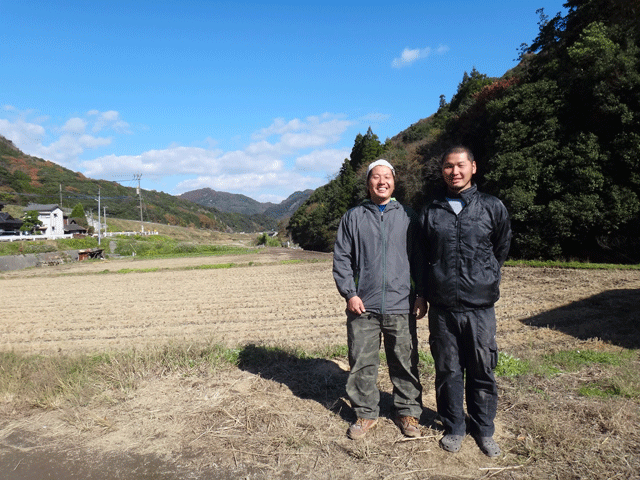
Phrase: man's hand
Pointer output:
(355, 305)
(420, 307)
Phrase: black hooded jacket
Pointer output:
(464, 252)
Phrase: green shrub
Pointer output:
(510, 366)
(77, 243)
(268, 241)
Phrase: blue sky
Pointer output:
(259, 98)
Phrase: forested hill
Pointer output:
(25, 179)
(236, 203)
(557, 139)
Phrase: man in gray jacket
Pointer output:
(375, 255)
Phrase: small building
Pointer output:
(8, 224)
(51, 216)
(73, 227)
(90, 253)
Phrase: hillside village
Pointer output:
(53, 223)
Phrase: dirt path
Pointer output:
(266, 422)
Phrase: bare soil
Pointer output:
(288, 420)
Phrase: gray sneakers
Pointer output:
(488, 446)
(451, 443)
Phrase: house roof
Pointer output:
(6, 219)
(41, 207)
(8, 222)
(72, 227)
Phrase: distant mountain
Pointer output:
(26, 179)
(287, 207)
(237, 203)
(225, 202)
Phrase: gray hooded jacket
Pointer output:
(376, 256)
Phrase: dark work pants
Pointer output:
(401, 348)
(463, 344)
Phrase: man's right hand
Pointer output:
(355, 305)
(420, 308)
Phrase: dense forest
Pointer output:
(557, 139)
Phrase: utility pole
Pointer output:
(138, 176)
(60, 195)
(99, 224)
(105, 221)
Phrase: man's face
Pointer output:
(457, 171)
(381, 184)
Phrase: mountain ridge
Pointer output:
(238, 203)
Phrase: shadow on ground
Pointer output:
(315, 379)
(612, 316)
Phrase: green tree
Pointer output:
(565, 149)
(30, 221)
(78, 214)
(366, 148)
(470, 85)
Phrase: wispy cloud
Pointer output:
(410, 56)
(110, 119)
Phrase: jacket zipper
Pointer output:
(384, 263)
(457, 259)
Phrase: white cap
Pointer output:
(382, 162)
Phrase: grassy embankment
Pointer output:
(169, 241)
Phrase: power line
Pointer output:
(72, 197)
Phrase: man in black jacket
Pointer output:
(375, 255)
(467, 236)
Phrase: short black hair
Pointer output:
(457, 149)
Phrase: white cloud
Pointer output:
(249, 183)
(409, 56)
(72, 139)
(328, 160)
(311, 132)
(108, 120)
(75, 125)
(24, 135)
(285, 156)
(68, 147)
(266, 156)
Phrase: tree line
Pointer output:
(557, 139)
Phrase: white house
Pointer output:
(51, 216)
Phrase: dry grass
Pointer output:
(281, 413)
(182, 234)
(277, 408)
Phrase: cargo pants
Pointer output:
(364, 333)
(463, 345)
